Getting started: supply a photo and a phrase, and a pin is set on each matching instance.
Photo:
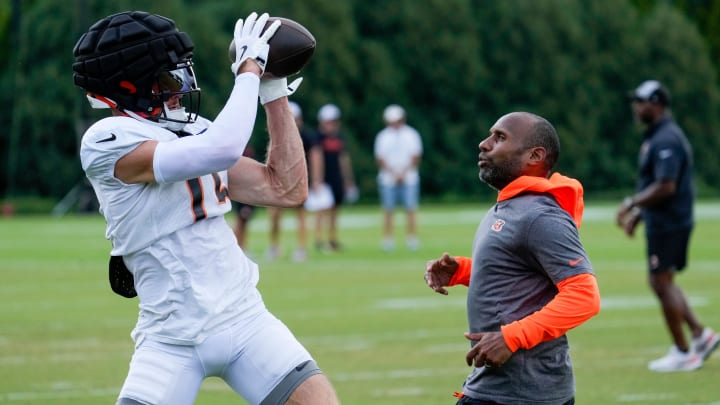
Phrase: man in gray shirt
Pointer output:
(529, 277)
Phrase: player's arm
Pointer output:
(415, 161)
(346, 169)
(283, 179)
(215, 150)
(656, 192)
(224, 142)
(317, 166)
(668, 160)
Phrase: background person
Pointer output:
(337, 173)
(664, 200)
(530, 280)
(243, 213)
(314, 160)
(398, 149)
(165, 177)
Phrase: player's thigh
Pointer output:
(162, 373)
(315, 390)
(387, 196)
(668, 251)
(411, 196)
(267, 352)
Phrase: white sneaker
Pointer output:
(272, 253)
(388, 245)
(706, 343)
(413, 243)
(299, 255)
(676, 360)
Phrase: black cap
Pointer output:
(652, 91)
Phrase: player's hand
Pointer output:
(630, 221)
(489, 350)
(251, 43)
(623, 210)
(273, 89)
(628, 217)
(439, 272)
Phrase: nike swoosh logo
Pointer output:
(111, 138)
(242, 52)
(300, 367)
(575, 262)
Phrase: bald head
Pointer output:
(519, 144)
(535, 131)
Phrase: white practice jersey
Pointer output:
(397, 147)
(190, 274)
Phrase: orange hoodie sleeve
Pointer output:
(462, 274)
(577, 300)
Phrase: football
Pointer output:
(291, 47)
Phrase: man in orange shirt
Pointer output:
(529, 277)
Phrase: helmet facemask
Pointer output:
(177, 91)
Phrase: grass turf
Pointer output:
(380, 335)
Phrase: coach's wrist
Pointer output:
(629, 203)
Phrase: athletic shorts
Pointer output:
(338, 190)
(407, 194)
(244, 211)
(254, 358)
(668, 251)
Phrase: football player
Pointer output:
(164, 177)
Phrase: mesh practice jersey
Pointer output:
(190, 274)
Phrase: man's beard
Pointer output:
(498, 177)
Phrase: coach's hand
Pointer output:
(489, 350)
(439, 272)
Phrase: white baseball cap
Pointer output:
(393, 113)
(329, 112)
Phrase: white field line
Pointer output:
(392, 374)
(56, 394)
(608, 303)
(460, 217)
(75, 350)
(65, 390)
(400, 392)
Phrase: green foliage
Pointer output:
(456, 65)
(695, 100)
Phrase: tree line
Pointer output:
(455, 65)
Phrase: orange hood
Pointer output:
(567, 191)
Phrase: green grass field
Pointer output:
(377, 331)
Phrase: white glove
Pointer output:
(249, 44)
(273, 89)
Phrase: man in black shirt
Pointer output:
(664, 201)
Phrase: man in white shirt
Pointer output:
(164, 177)
(398, 149)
